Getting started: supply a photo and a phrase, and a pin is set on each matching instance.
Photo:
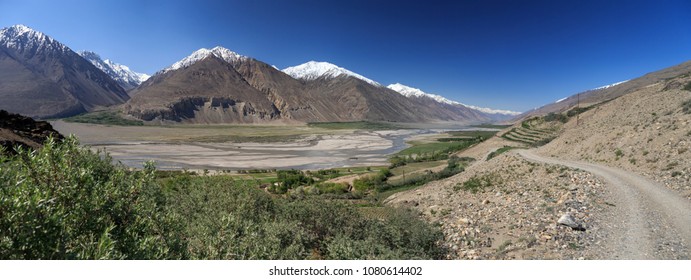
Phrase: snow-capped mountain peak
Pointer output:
(414, 92)
(21, 38)
(411, 91)
(313, 70)
(609, 86)
(120, 73)
(220, 52)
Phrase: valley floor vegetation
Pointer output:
(65, 201)
(425, 161)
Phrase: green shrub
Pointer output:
(687, 86)
(476, 184)
(289, 179)
(371, 182)
(556, 117)
(686, 106)
(499, 152)
(104, 117)
(67, 202)
(618, 153)
(228, 219)
(332, 188)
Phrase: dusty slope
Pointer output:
(645, 131)
(515, 216)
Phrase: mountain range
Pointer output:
(122, 74)
(218, 86)
(40, 77)
(43, 78)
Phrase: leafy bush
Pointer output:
(499, 152)
(104, 117)
(556, 117)
(687, 86)
(577, 111)
(332, 188)
(289, 179)
(371, 182)
(686, 106)
(67, 202)
(226, 220)
(476, 184)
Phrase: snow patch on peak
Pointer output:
(414, 92)
(609, 86)
(22, 38)
(411, 91)
(560, 100)
(220, 52)
(313, 70)
(21, 29)
(493, 111)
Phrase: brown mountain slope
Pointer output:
(245, 90)
(42, 78)
(647, 131)
(209, 91)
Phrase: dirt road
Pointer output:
(646, 221)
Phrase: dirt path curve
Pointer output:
(647, 221)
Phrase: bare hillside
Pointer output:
(646, 131)
(602, 192)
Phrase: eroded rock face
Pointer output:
(17, 130)
(208, 110)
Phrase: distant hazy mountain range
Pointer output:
(43, 78)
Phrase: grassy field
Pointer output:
(104, 117)
(419, 148)
(362, 125)
(493, 126)
(187, 132)
(473, 133)
(416, 167)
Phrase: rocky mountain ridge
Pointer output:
(40, 77)
(122, 74)
(190, 90)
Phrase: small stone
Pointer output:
(569, 221)
(486, 201)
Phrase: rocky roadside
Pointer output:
(509, 208)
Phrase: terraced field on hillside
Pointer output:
(532, 133)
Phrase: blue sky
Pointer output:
(503, 54)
